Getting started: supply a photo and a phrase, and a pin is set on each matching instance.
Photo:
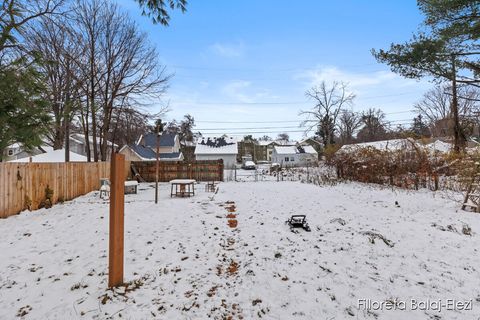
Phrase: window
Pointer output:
(286, 159)
(10, 152)
(291, 159)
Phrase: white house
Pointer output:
(213, 148)
(145, 149)
(290, 156)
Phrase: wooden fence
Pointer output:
(201, 170)
(23, 185)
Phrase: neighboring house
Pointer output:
(317, 145)
(259, 150)
(51, 155)
(15, 151)
(145, 149)
(79, 146)
(290, 156)
(265, 149)
(225, 148)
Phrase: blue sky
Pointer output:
(240, 63)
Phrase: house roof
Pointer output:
(214, 145)
(167, 139)
(267, 143)
(53, 156)
(307, 140)
(387, 145)
(147, 153)
(80, 139)
(294, 149)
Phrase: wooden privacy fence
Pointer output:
(24, 185)
(201, 170)
(28, 185)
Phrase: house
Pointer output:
(213, 148)
(78, 144)
(265, 149)
(51, 155)
(145, 149)
(317, 145)
(16, 151)
(290, 156)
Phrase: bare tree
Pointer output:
(349, 122)
(329, 100)
(121, 69)
(129, 123)
(16, 14)
(55, 44)
(132, 69)
(435, 107)
(88, 16)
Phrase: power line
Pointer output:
(273, 121)
(289, 102)
(291, 69)
(290, 127)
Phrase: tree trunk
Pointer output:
(459, 139)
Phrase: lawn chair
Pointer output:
(210, 186)
(298, 221)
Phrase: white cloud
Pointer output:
(236, 89)
(357, 81)
(228, 50)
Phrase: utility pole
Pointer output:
(67, 130)
(157, 164)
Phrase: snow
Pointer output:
(439, 146)
(181, 258)
(230, 149)
(399, 144)
(389, 145)
(53, 156)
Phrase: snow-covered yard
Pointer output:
(182, 261)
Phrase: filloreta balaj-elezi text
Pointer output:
(414, 304)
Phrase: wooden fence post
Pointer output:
(117, 207)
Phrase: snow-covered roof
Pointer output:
(265, 142)
(214, 145)
(80, 139)
(294, 149)
(14, 146)
(387, 145)
(439, 146)
(399, 144)
(53, 156)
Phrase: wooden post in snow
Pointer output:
(117, 208)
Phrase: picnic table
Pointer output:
(182, 187)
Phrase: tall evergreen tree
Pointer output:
(447, 49)
(23, 117)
